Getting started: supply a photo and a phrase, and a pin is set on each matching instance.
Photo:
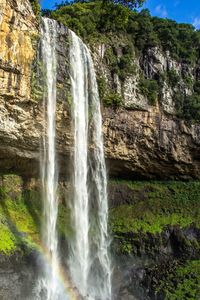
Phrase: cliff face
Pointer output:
(145, 139)
(18, 130)
(21, 112)
(141, 140)
(151, 144)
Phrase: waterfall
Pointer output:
(48, 165)
(101, 272)
(89, 260)
(79, 258)
(89, 263)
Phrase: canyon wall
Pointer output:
(141, 140)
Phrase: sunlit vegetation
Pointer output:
(182, 282)
(36, 7)
(134, 33)
(21, 215)
(156, 205)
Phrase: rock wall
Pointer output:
(141, 142)
(151, 144)
(18, 129)
(21, 112)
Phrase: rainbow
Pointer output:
(71, 291)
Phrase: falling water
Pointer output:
(79, 259)
(100, 276)
(89, 260)
(49, 176)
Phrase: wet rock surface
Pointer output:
(148, 263)
(18, 274)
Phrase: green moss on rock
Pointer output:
(183, 283)
(156, 205)
(21, 215)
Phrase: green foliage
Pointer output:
(183, 282)
(111, 60)
(18, 228)
(108, 97)
(126, 248)
(197, 87)
(92, 17)
(173, 78)
(36, 7)
(82, 18)
(189, 81)
(188, 107)
(149, 88)
(127, 33)
(102, 86)
(128, 3)
(191, 107)
(37, 88)
(112, 99)
(177, 38)
(126, 66)
(121, 65)
(155, 205)
(7, 240)
(21, 216)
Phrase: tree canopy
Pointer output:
(135, 33)
(128, 3)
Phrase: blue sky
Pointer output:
(179, 10)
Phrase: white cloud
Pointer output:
(161, 11)
(196, 23)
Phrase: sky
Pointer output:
(183, 11)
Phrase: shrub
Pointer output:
(191, 107)
(188, 107)
(112, 99)
(197, 87)
(91, 17)
(126, 66)
(173, 78)
(102, 86)
(36, 7)
(149, 88)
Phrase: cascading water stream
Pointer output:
(89, 260)
(79, 259)
(101, 272)
(49, 176)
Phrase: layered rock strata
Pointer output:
(139, 143)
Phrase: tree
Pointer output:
(128, 3)
(131, 4)
(36, 7)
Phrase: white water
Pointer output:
(79, 256)
(89, 260)
(48, 165)
(101, 272)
